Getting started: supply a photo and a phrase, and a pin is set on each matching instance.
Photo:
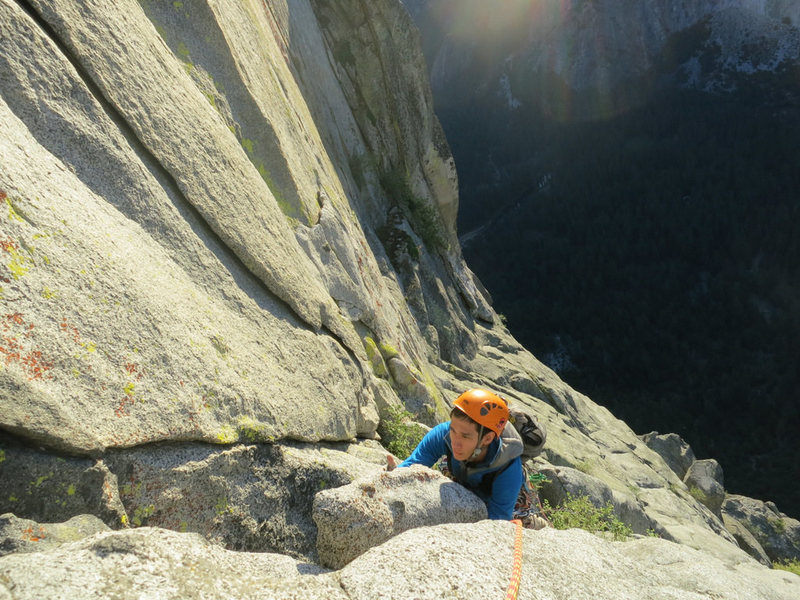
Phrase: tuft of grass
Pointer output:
(777, 524)
(401, 435)
(793, 566)
(579, 512)
(697, 494)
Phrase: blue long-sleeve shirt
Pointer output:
(503, 457)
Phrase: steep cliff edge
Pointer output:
(231, 227)
(621, 146)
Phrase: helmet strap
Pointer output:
(478, 448)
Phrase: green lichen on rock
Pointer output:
(14, 212)
(439, 410)
(375, 358)
(388, 351)
(227, 435)
(698, 494)
(247, 429)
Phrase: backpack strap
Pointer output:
(485, 485)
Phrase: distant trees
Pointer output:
(664, 257)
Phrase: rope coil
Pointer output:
(516, 571)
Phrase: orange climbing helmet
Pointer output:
(485, 408)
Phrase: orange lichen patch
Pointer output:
(70, 330)
(15, 334)
(135, 370)
(31, 535)
(9, 245)
(123, 410)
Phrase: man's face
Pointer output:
(463, 438)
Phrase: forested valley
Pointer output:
(653, 259)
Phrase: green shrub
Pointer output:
(425, 218)
(400, 434)
(793, 566)
(579, 512)
(777, 524)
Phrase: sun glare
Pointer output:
(560, 56)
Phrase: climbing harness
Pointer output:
(528, 507)
(516, 571)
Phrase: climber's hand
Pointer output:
(391, 463)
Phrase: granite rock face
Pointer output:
(227, 253)
(47, 488)
(247, 497)
(153, 562)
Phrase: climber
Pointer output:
(477, 450)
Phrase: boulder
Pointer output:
(675, 452)
(746, 540)
(353, 518)
(777, 533)
(25, 535)
(244, 497)
(705, 482)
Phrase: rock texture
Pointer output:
(49, 488)
(247, 497)
(429, 562)
(354, 518)
(152, 562)
(227, 253)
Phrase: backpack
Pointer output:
(532, 432)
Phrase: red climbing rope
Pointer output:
(516, 572)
